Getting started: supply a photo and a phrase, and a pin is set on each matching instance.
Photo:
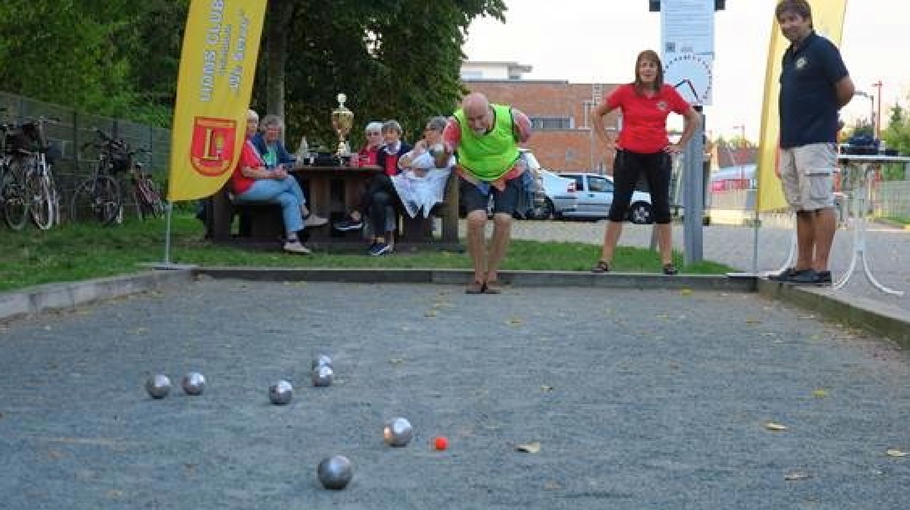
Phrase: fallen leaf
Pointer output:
(893, 452)
(396, 361)
(753, 321)
(662, 316)
(533, 447)
(430, 313)
(685, 292)
(774, 426)
(797, 475)
(544, 387)
(552, 485)
(820, 393)
(514, 321)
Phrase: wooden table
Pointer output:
(332, 192)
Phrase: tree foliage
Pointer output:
(393, 58)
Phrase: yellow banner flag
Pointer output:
(828, 21)
(217, 68)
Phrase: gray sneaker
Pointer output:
(296, 247)
(314, 220)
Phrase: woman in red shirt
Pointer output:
(643, 146)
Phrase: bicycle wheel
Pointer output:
(41, 195)
(96, 199)
(14, 197)
(148, 199)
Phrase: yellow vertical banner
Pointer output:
(217, 68)
(828, 21)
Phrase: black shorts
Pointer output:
(505, 201)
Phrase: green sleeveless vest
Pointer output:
(488, 157)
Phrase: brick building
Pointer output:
(560, 111)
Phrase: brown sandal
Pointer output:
(602, 267)
(474, 288)
(492, 287)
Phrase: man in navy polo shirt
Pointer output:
(814, 85)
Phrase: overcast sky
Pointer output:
(586, 41)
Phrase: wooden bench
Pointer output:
(331, 192)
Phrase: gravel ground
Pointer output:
(638, 399)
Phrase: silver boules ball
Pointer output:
(193, 383)
(322, 375)
(280, 392)
(323, 360)
(397, 432)
(335, 472)
(158, 386)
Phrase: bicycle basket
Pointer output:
(121, 160)
(26, 137)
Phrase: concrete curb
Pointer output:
(881, 319)
(55, 296)
(463, 276)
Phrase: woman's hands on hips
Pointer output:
(674, 148)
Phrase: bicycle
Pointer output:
(146, 193)
(27, 185)
(100, 196)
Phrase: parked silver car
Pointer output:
(595, 195)
(556, 195)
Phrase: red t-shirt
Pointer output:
(644, 119)
(249, 157)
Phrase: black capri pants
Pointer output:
(626, 170)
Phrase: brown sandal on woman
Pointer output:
(602, 267)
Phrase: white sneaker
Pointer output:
(296, 247)
(314, 220)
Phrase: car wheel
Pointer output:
(544, 211)
(640, 213)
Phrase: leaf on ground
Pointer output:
(430, 313)
(514, 321)
(544, 387)
(893, 452)
(552, 485)
(820, 393)
(532, 447)
(796, 476)
(396, 361)
(776, 427)
(685, 292)
(753, 321)
(662, 316)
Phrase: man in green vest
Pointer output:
(484, 138)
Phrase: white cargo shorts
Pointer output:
(807, 176)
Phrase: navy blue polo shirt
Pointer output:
(808, 100)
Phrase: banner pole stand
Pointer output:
(167, 264)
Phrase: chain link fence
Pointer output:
(68, 130)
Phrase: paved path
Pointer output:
(888, 251)
(639, 399)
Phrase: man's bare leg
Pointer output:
(805, 239)
(499, 243)
(825, 223)
(477, 221)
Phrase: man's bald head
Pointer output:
(477, 111)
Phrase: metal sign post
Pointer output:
(693, 196)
